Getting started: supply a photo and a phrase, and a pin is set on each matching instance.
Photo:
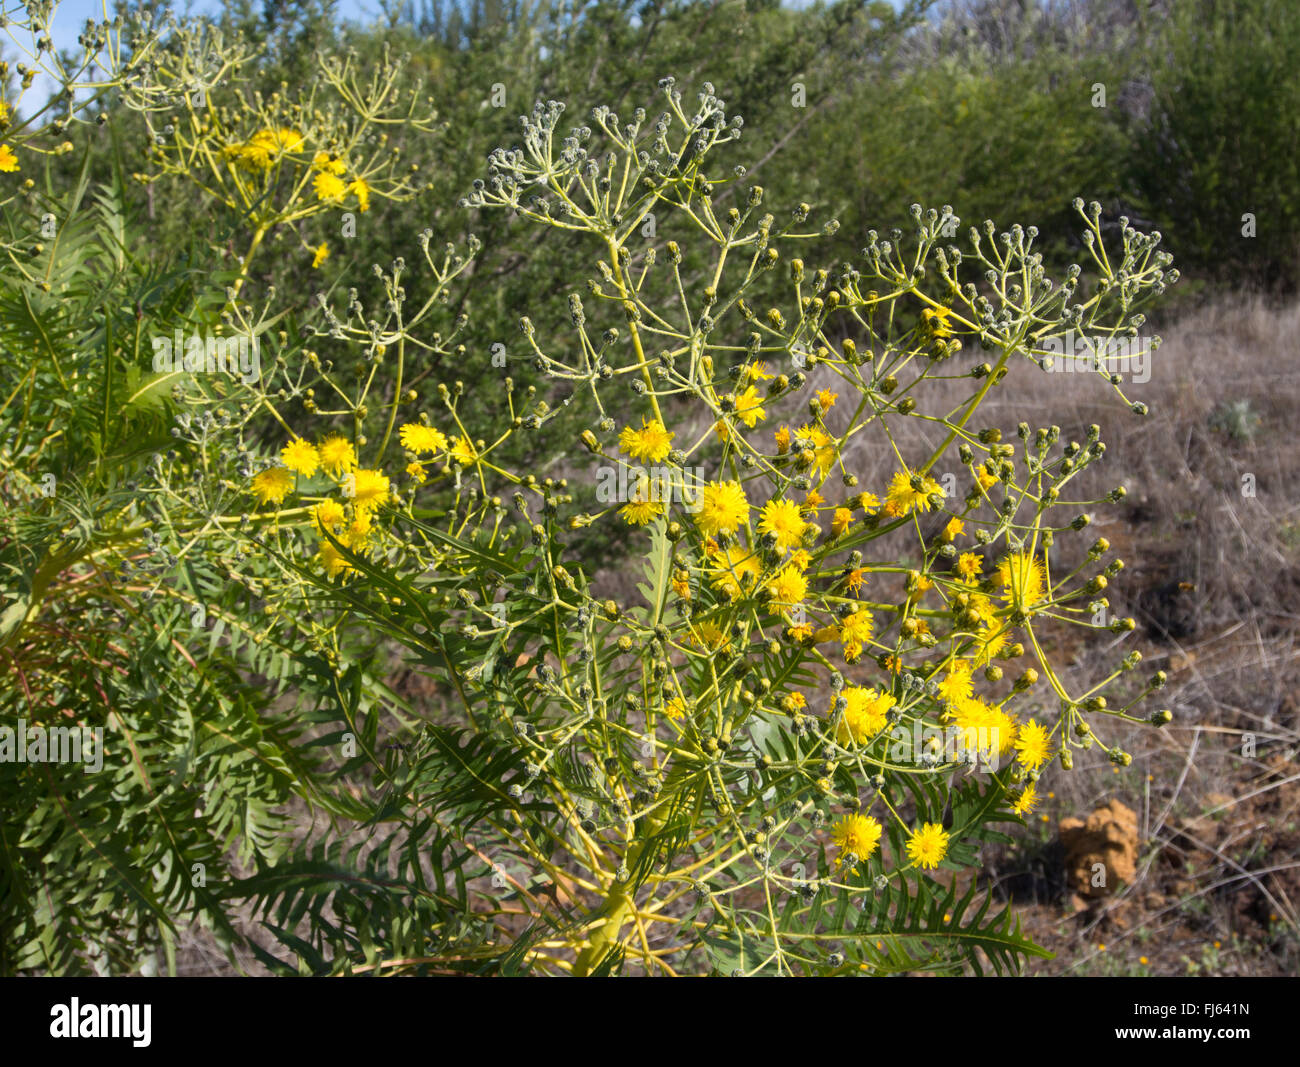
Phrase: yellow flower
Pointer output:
(956, 685)
(953, 530)
(328, 164)
(841, 521)
(272, 485)
(288, 140)
(415, 470)
(1034, 745)
(329, 513)
(300, 457)
(733, 566)
(787, 587)
(332, 559)
(329, 187)
(865, 714)
(857, 578)
(782, 438)
(652, 442)
(969, 565)
(8, 161)
(1021, 577)
(462, 451)
(643, 507)
(749, 408)
(936, 322)
(757, 372)
(998, 726)
(369, 489)
(418, 438)
(337, 455)
(855, 631)
(985, 479)
(675, 708)
(826, 399)
(823, 448)
(793, 702)
(989, 642)
(1024, 803)
(927, 846)
(782, 519)
(319, 255)
(905, 497)
(256, 153)
(359, 188)
(723, 508)
(857, 835)
(709, 636)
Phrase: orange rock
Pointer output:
(1100, 851)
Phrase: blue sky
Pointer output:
(71, 15)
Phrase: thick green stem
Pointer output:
(620, 904)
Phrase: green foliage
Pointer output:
(1218, 142)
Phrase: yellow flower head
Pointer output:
(910, 492)
(272, 485)
(329, 513)
(328, 164)
(652, 442)
(1021, 577)
(782, 438)
(936, 323)
(709, 636)
(1024, 803)
(421, 439)
(927, 846)
(841, 521)
(462, 451)
(749, 408)
(865, 714)
(337, 455)
(369, 489)
(782, 519)
(787, 587)
(856, 629)
(989, 642)
(300, 457)
(319, 255)
(823, 448)
(332, 560)
(675, 708)
(723, 508)
(733, 566)
(857, 835)
(359, 188)
(1033, 745)
(643, 507)
(8, 161)
(956, 685)
(329, 187)
(969, 566)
